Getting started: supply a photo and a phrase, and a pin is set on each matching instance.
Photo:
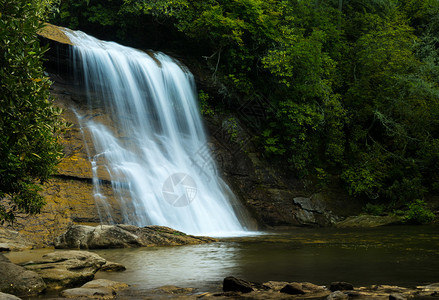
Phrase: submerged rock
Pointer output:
(124, 236)
(366, 221)
(66, 268)
(99, 288)
(173, 290)
(19, 281)
(100, 293)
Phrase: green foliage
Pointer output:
(375, 209)
(231, 127)
(418, 213)
(205, 108)
(406, 190)
(351, 87)
(29, 125)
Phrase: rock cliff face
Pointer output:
(273, 198)
(69, 194)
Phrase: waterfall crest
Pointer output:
(153, 147)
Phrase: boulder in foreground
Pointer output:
(19, 281)
(124, 236)
(62, 269)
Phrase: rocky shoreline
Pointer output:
(73, 271)
(61, 273)
(70, 274)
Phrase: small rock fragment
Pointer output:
(293, 289)
(396, 296)
(113, 267)
(340, 286)
(174, 290)
(105, 283)
(232, 284)
(101, 293)
(337, 295)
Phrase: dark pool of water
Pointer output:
(403, 255)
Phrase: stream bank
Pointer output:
(383, 260)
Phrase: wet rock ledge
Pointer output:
(124, 236)
(57, 271)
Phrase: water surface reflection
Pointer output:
(404, 255)
(200, 266)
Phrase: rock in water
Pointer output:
(105, 283)
(113, 267)
(19, 281)
(99, 288)
(89, 237)
(396, 296)
(232, 284)
(337, 295)
(293, 289)
(173, 290)
(124, 236)
(100, 293)
(341, 286)
(66, 268)
(368, 221)
(4, 296)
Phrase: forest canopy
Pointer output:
(351, 86)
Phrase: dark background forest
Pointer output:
(350, 88)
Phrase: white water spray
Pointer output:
(154, 149)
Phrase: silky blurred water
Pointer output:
(150, 141)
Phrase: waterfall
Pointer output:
(152, 145)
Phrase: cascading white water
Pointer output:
(154, 149)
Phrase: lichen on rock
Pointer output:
(54, 33)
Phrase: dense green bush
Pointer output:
(418, 213)
(29, 125)
(374, 209)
